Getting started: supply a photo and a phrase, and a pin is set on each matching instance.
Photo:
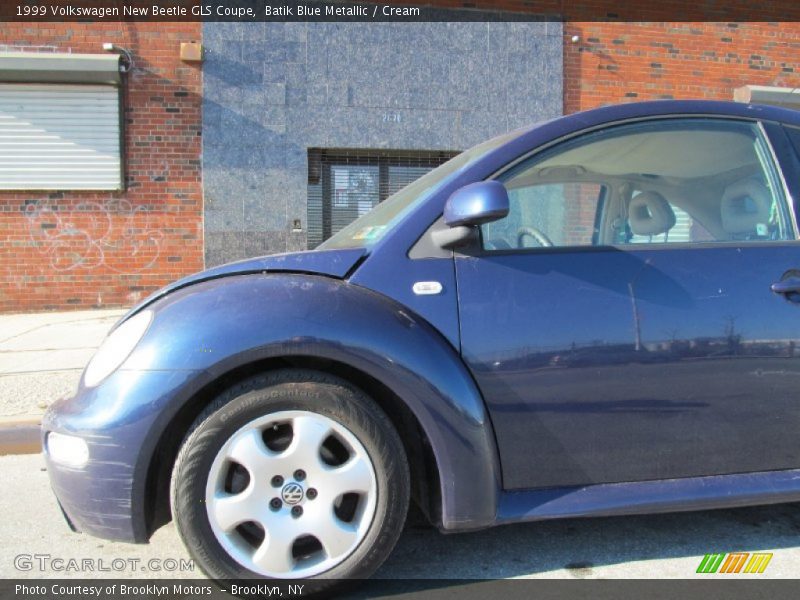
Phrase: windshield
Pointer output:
(368, 229)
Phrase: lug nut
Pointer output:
(275, 503)
(299, 475)
(297, 511)
(311, 493)
(277, 481)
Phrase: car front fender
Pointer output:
(217, 326)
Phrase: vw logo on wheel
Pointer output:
(292, 493)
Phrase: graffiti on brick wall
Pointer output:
(113, 235)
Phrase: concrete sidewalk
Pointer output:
(41, 359)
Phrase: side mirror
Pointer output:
(476, 203)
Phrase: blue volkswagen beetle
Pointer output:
(598, 315)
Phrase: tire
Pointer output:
(223, 476)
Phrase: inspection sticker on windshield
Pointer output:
(369, 233)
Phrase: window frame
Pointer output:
(766, 135)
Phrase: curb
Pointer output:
(20, 436)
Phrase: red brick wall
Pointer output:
(629, 62)
(81, 250)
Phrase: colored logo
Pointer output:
(735, 562)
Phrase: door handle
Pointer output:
(787, 286)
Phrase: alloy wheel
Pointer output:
(291, 494)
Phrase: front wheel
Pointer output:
(293, 474)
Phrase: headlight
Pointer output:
(116, 348)
(67, 450)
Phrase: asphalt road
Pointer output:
(657, 546)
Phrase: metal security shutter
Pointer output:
(345, 184)
(59, 137)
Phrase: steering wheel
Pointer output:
(537, 235)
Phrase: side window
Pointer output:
(660, 182)
(547, 214)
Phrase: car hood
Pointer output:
(330, 263)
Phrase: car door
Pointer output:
(620, 321)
